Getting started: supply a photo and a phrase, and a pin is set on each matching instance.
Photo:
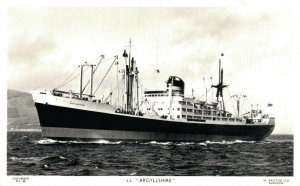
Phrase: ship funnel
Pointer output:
(176, 83)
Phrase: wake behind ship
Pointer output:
(160, 115)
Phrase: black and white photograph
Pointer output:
(155, 94)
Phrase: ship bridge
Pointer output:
(175, 82)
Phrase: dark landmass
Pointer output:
(21, 112)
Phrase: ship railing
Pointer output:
(73, 95)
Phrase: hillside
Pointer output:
(21, 112)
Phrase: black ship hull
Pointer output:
(59, 122)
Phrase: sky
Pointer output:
(258, 45)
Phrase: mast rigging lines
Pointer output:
(115, 60)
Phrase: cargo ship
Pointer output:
(148, 115)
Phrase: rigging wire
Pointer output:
(250, 102)
(117, 87)
(231, 101)
(105, 84)
(103, 90)
(102, 56)
(51, 80)
(66, 82)
(111, 93)
(70, 80)
(59, 86)
(118, 96)
(102, 62)
(208, 91)
(235, 112)
(151, 107)
(62, 84)
(121, 95)
(94, 59)
(243, 104)
(105, 75)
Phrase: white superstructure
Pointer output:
(172, 104)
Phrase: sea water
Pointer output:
(30, 154)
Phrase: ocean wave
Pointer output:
(279, 140)
(205, 143)
(27, 160)
(190, 143)
(46, 141)
(229, 142)
(158, 143)
(237, 158)
(263, 142)
(174, 143)
(37, 159)
(132, 174)
(185, 143)
(54, 158)
(52, 141)
(106, 142)
(216, 142)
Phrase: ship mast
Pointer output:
(129, 92)
(137, 87)
(81, 90)
(125, 55)
(131, 81)
(220, 85)
(238, 97)
(80, 82)
(130, 73)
